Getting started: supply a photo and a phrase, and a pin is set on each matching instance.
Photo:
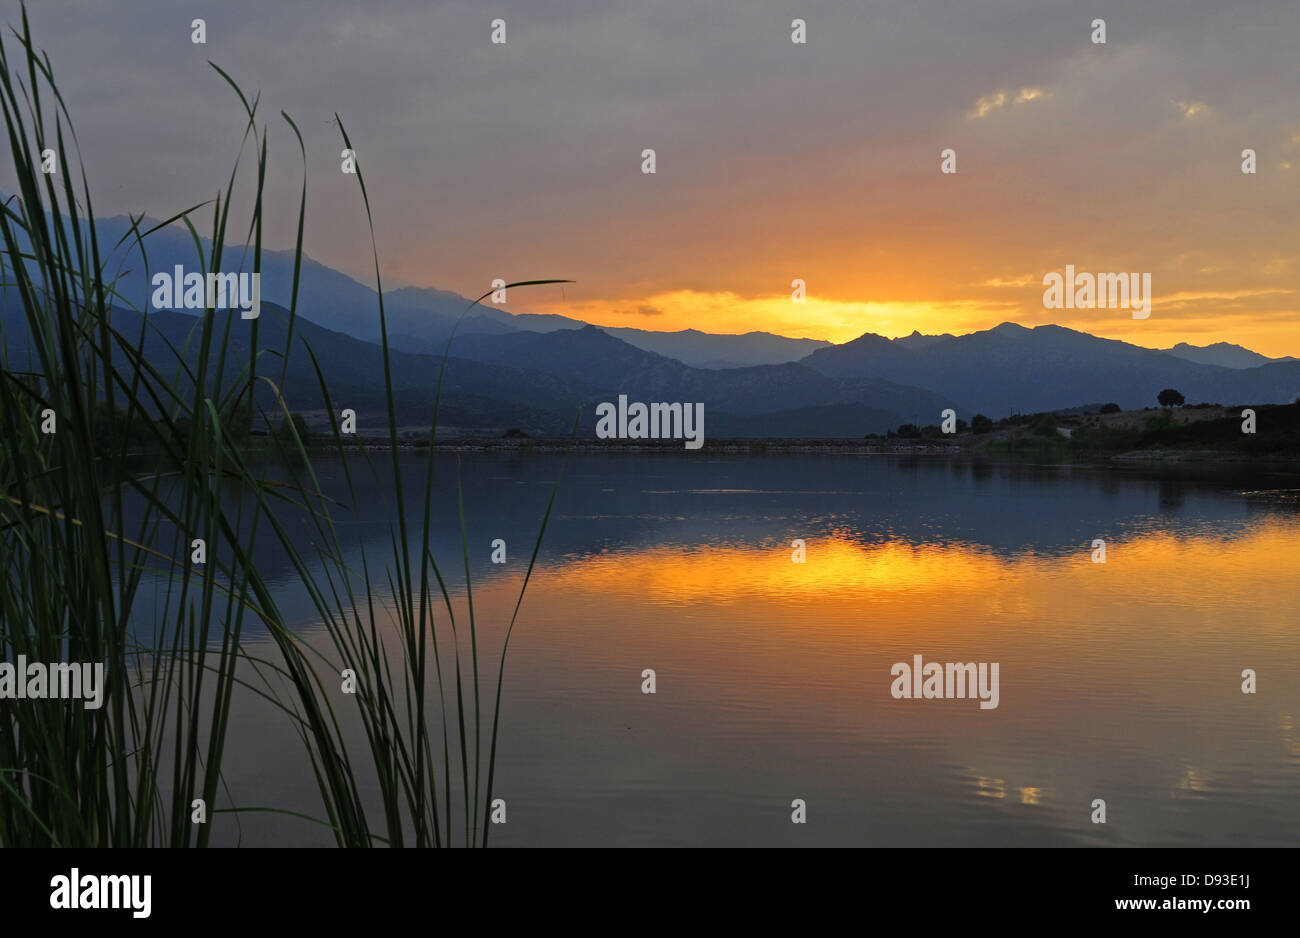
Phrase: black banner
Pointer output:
(135, 888)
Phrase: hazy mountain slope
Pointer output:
(1223, 354)
(474, 393)
(420, 319)
(325, 296)
(613, 366)
(699, 349)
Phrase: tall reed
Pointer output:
(85, 528)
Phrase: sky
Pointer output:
(775, 161)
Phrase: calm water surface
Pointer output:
(1120, 681)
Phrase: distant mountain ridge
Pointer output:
(421, 318)
(1224, 354)
(537, 371)
(538, 382)
(712, 350)
(1011, 368)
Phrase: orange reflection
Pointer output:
(1197, 575)
(735, 573)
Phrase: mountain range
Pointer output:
(538, 372)
(1011, 368)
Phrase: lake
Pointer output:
(1120, 681)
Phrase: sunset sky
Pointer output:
(775, 161)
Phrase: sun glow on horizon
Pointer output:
(1273, 334)
(830, 320)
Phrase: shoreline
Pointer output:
(765, 446)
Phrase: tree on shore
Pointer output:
(299, 423)
(1045, 424)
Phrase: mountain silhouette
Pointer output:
(1011, 368)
